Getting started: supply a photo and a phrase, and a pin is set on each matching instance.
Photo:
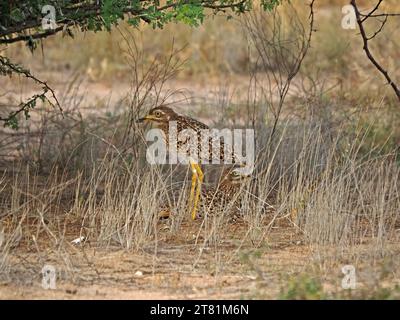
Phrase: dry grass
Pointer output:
(325, 191)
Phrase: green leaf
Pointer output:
(270, 4)
(12, 122)
(190, 14)
(17, 15)
(112, 11)
(134, 21)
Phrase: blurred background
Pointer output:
(214, 67)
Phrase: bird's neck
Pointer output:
(165, 127)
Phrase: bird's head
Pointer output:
(160, 115)
(235, 176)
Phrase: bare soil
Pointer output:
(170, 267)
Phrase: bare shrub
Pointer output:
(281, 41)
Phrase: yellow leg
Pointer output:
(194, 180)
(200, 176)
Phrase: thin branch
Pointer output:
(94, 10)
(9, 68)
(373, 10)
(366, 46)
(380, 15)
(379, 30)
(35, 36)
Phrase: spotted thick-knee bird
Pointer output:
(226, 195)
(193, 142)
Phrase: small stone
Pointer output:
(78, 240)
(138, 274)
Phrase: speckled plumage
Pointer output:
(225, 196)
(195, 150)
(162, 116)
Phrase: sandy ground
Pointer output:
(170, 268)
(242, 264)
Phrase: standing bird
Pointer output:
(224, 197)
(162, 117)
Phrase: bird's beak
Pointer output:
(146, 118)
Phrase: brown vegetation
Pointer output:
(325, 192)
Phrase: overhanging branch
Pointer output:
(78, 15)
(365, 38)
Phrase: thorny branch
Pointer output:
(8, 68)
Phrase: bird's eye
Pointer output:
(235, 173)
(157, 114)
